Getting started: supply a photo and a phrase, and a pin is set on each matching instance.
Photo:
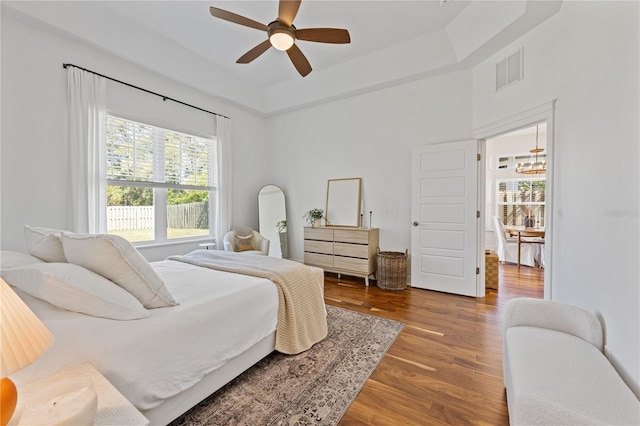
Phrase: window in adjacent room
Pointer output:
(160, 183)
(521, 197)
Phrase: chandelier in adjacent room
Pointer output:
(534, 166)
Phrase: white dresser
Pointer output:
(349, 251)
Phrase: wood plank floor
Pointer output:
(445, 368)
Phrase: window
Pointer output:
(509, 163)
(160, 183)
(522, 197)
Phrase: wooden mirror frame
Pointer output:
(343, 202)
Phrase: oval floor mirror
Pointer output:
(272, 216)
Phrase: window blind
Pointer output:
(145, 155)
(517, 198)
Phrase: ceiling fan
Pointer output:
(282, 34)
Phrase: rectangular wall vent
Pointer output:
(510, 69)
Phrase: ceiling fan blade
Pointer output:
(287, 11)
(299, 60)
(254, 53)
(237, 19)
(324, 35)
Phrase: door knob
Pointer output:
(416, 223)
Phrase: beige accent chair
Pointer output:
(245, 242)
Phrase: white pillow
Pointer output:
(44, 243)
(116, 259)
(74, 288)
(13, 259)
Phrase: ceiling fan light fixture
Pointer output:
(282, 34)
(281, 39)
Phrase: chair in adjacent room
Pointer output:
(541, 256)
(246, 240)
(508, 247)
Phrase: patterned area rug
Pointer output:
(315, 387)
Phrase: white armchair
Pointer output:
(260, 245)
(508, 247)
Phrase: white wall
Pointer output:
(587, 57)
(368, 136)
(34, 130)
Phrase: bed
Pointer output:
(221, 324)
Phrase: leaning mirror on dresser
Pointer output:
(343, 202)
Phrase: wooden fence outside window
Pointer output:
(179, 216)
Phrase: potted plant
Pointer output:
(313, 217)
(281, 226)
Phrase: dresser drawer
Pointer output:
(351, 250)
(321, 260)
(351, 236)
(324, 247)
(358, 266)
(322, 234)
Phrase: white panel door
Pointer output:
(443, 207)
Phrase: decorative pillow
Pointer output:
(74, 288)
(243, 231)
(44, 243)
(244, 243)
(13, 259)
(116, 259)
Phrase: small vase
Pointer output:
(317, 223)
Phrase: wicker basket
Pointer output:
(391, 273)
(491, 270)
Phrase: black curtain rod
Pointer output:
(164, 98)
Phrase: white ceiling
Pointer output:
(372, 25)
(392, 41)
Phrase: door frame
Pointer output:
(527, 118)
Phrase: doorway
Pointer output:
(544, 113)
(515, 206)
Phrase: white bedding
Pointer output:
(155, 358)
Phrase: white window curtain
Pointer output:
(223, 202)
(87, 99)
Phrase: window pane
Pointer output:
(130, 212)
(186, 159)
(539, 187)
(129, 150)
(509, 163)
(518, 198)
(187, 213)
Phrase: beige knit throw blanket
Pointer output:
(302, 318)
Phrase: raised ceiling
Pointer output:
(392, 42)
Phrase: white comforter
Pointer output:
(220, 315)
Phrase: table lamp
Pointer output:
(24, 338)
